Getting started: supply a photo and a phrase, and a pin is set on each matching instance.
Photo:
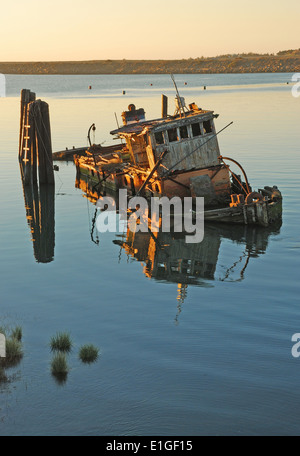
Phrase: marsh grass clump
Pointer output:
(3, 330)
(13, 346)
(14, 352)
(17, 333)
(61, 342)
(59, 366)
(88, 353)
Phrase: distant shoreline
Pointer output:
(285, 62)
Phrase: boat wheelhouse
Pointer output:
(189, 146)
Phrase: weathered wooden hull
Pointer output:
(178, 184)
(260, 213)
(68, 154)
(97, 177)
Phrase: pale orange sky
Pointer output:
(159, 29)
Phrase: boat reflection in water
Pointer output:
(39, 206)
(168, 258)
(223, 254)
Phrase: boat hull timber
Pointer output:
(262, 211)
(258, 213)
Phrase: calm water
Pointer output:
(194, 339)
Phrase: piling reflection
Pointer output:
(40, 215)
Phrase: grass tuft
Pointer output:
(17, 333)
(13, 346)
(88, 353)
(3, 330)
(59, 365)
(14, 352)
(61, 342)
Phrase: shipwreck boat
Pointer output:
(178, 155)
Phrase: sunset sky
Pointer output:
(35, 30)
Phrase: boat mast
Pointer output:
(178, 96)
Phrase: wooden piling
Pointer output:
(47, 143)
(164, 106)
(33, 146)
(40, 145)
(35, 149)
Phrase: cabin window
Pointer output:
(172, 134)
(207, 126)
(196, 129)
(159, 137)
(183, 132)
